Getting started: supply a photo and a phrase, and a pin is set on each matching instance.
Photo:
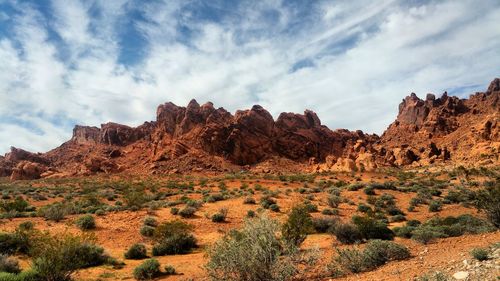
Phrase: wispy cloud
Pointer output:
(91, 62)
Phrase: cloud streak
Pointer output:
(90, 62)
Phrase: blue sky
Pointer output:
(89, 62)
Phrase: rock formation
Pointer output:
(203, 138)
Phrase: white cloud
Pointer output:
(362, 59)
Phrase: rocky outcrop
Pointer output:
(202, 137)
(445, 128)
(26, 170)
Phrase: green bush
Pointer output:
(147, 231)
(479, 254)
(220, 216)
(17, 205)
(58, 257)
(174, 211)
(28, 275)
(250, 213)
(297, 226)
(267, 201)
(426, 235)
(252, 253)
(334, 201)
(369, 190)
(169, 269)
(9, 264)
(20, 241)
(488, 200)
(274, 208)
(187, 212)
(379, 252)
(347, 233)
(330, 212)
(85, 222)
(372, 229)
(249, 200)
(173, 237)
(54, 212)
(136, 252)
(150, 221)
(364, 208)
(148, 270)
(404, 231)
(435, 206)
(376, 253)
(324, 224)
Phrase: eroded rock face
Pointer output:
(201, 137)
(26, 170)
(443, 128)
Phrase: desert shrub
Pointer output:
(220, 216)
(397, 218)
(310, 207)
(355, 186)
(27, 275)
(169, 269)
(85, 222)
(187, 212)
(267, 201)
(136, 252)
(297, 226)
(488, 201)
(323, 225)
(58, 257)
(249, 200)
(435, 206)
(147, 231)
(150, 221)
(54, 212)
(274, 207)
(351, 260)
(376, 253)
(426, 235)
(173, 237)
(147, 270)
(20, 241)
(9, 264)
(330, 212)
(27, 225)
(414, 223)
(347, 233)
(174, 211)
(479, 254)
(215, 197)
(364, 208)
(17, 205)
(369, 190)
(250, 213)
(135, 199)
(253, 253)
(404, 231)
(333, 201)
(372, 229)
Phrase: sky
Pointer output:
(68, 62)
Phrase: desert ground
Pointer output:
(120, 203)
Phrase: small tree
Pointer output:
(488, 200)
(297, 226)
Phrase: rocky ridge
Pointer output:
(200, 138)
